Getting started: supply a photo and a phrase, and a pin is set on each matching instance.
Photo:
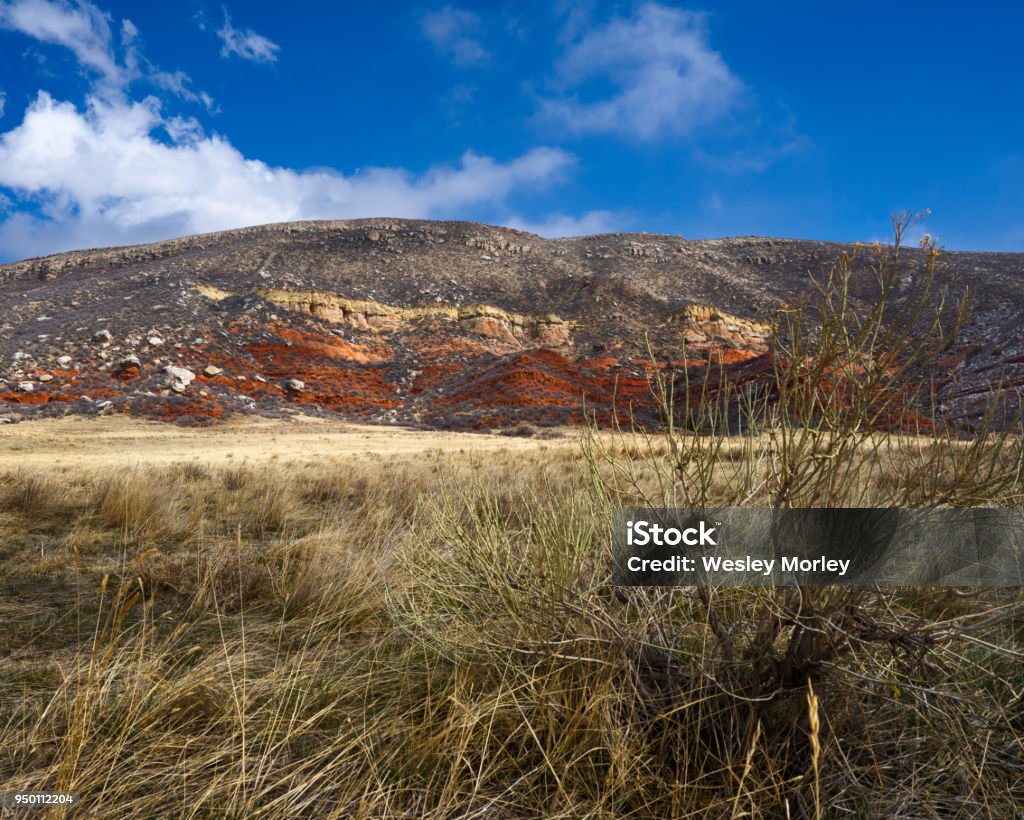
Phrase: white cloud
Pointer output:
(86, 31)
(759, 158)
(246, 43)
(560, 225)
(3, 102)
(455, 33)
(82, 28)
(121, 171)
(576, 16)
(666, 80)
(129, 41)
(177, 83)
(106, 175)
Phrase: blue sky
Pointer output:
(129, 122)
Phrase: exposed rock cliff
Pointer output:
(544, 329)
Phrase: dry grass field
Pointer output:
(310, 620)
(126, 442)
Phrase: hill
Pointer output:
(449, 325)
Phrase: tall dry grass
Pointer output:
(439, 637)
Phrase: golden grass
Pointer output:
(436, 635)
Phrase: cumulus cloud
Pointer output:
(246, 43)
(120, 172)
(664, 77)
(455, 33)
(560, 225)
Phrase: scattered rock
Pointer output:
(180, 373)
(178, 378)
(103, 336)
(64, 361)
(295, 385)
(128, 367)
(26, 387)
(46, 377)
(212, 370)
(156, 341)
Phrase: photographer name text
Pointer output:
(748, 564)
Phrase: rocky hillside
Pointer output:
(441, 324)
